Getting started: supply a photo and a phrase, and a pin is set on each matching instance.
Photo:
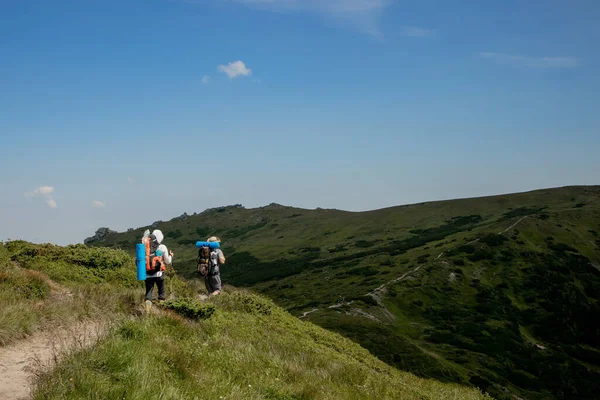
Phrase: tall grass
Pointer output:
(247, 349)
(38, 289)
(234, 346)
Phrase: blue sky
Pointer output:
(120, 113)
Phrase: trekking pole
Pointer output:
(172, 296)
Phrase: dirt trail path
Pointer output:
(19, 360)
(376, 294)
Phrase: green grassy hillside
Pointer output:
(235, 346)
(498, 292)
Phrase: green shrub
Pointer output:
(493, 239)
(190, 308)
(467, 248)
(241, 231)
(202, 233)
(423, 258)
(79, 254)
(310, 249)
(174, 235)
(257, 305)
(337, 248)
(362, 271)
(387, 262)
(481, 254)
(75, 263)
(366, 243)
(522, 211)
(24, 284)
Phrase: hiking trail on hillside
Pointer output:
(376, 293)
(20, 361)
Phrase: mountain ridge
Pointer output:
(274, 205)
(453, 255)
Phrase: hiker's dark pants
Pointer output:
(212, 283)
(162, 289)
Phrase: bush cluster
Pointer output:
(190, 308)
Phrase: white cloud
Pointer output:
(234, 69)
(98, 204)
(45, 192)
(532, 62)
(130, 180)
(417, 32)
(362, 14)
(205, 79)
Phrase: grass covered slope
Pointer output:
(518, 311)
(288, 252)
(235, 346)
(463, 290)
(247, 348)
(45, 285)
(42, 286)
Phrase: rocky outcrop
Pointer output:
(222, 209)
(100, 235)
(183, 216)
(273, 206)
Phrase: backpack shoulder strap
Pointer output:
(146, 242)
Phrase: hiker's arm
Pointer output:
(168, 257)
(221, 257)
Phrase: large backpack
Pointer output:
(207, 261)
(153, 261)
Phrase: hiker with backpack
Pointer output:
(208, 266)
(157, 259)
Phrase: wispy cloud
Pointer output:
(532, 62)
(44, 192)
(333, 6)
(235, 69)
(362, 14)
(98, 204)
(130, 180)
(417, 32)
(205, 79)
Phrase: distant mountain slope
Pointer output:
(500, 292)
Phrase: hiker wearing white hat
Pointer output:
(159, 258)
